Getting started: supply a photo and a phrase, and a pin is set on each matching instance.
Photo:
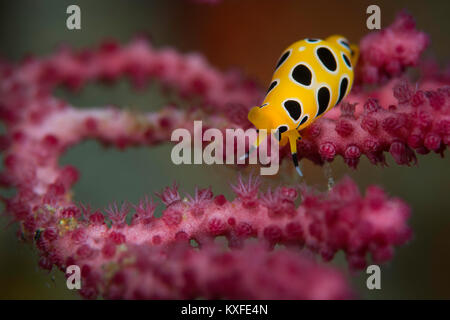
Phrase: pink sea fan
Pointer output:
(151, 257)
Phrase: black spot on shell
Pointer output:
(347, 60)
(310, 40)
(323, 99)
(281, 129)
(305, 118)
(283, 59)
(265, 104)
(293, 108)
(272, 85)
(302, 75)
(342, 89)
(345, 44)
(327, 58)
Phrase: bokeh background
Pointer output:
(244, 34)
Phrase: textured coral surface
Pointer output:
(153, 257)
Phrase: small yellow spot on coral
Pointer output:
(67, 224)
(69, 195)
(122, 248)
(110, 269)
(49, 209)
(129, 261)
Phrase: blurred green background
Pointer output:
(248, 34)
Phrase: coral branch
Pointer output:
(147, 259)
(189, 75)
(251, 273)
(420, 121)
(386, 53)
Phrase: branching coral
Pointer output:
(151, 257)
(388, 52)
